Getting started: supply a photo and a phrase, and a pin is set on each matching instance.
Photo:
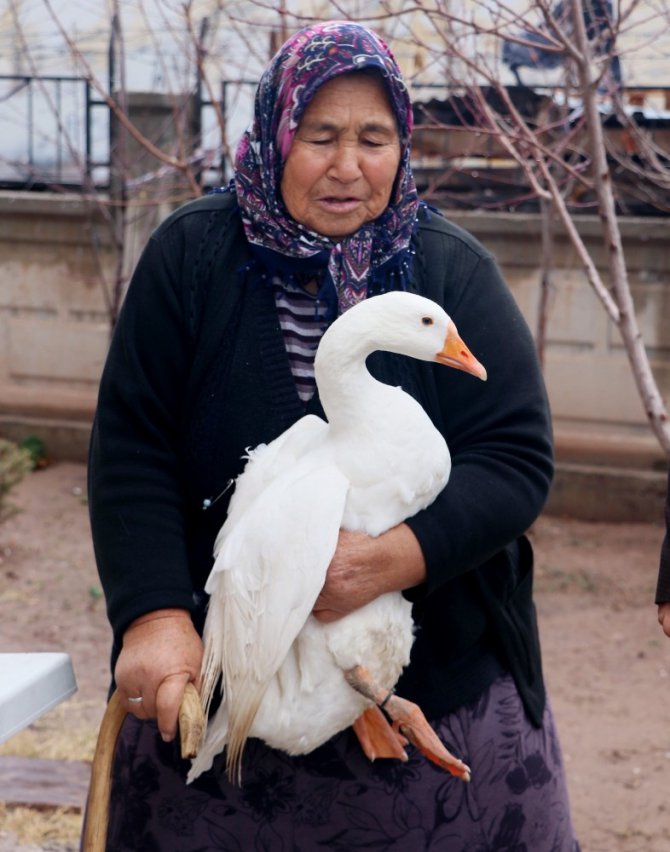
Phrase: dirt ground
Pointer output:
(606, 661)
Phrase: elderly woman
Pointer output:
(213, 353)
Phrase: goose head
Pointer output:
(399, 322)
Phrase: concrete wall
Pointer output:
(598, 413)
(55, 252)
(54, 333)
(57, 277)
(610, 466)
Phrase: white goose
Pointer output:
(287, 678)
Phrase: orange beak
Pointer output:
(456, 354)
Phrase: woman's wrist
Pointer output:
(153, 621)
(157, 614)
(401, 560)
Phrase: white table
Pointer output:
(30, 685)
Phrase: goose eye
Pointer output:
(427, 320)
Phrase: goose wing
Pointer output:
(267, 462)
(271, 565)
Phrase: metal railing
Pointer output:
(54, 133)
(51, 132)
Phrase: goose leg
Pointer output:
(377, 737)
(408, 720)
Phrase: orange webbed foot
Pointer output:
(408, 721)
(377, 737)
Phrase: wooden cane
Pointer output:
(191, 730)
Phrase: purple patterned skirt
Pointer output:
(335, 799)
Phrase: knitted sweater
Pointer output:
(197, 372)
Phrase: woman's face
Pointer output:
(344, 157)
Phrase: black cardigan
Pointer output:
(197, 372)
(663, 583)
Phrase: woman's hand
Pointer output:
(664, 617)
(161, 653)
(363, 568)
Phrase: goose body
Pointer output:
(377, 461)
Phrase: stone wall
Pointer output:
(54, 331)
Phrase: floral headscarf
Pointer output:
(309, 59)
